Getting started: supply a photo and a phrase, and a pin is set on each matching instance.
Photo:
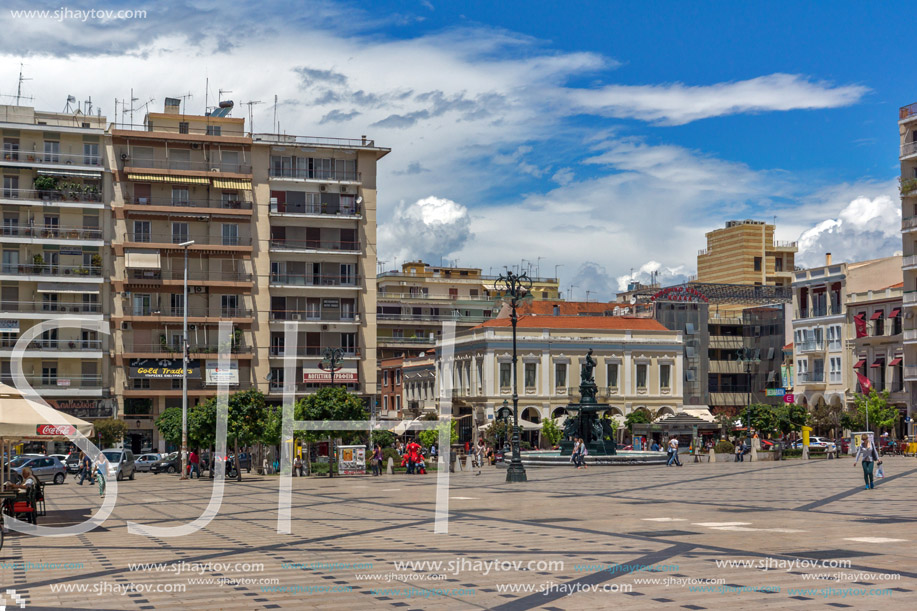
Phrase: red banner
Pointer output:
(859, 322)
(865, 384)
(54, 430)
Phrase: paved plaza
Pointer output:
(635, 537)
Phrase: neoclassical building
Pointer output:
(639, 364)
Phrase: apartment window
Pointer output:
(90, 154)
(142, 304)
(230, 161)
(141, 231)
(347, 273)
(641, 375)
(385, 402)
(878, 319)
(49, 302)
(11, 149)
(665, 372)
(52, 151)
(530, 371)
(11, 187)
(177, 301)
(506, 376)
(230, 305)
(230, 234)
(182, 127)
(398, 403)
(181, 196)
(802, 370)
(141, 384)
(214, 130)
(560, 375)
(834, 369)
(612, 371)
(349, 343)
(11, 225)
(397, 377)
(230, 199)
(179, 233)
(778, 264)
(48, 373)
(180, 159)
(757, 264)
(385, 378)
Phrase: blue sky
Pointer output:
(602, 137)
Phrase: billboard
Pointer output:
(162, 369)
(351, 460)
(215, 375)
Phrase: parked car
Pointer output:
(60, 457)
(45, 468)
(73, 462)
(145, 461)
(245, 461)
(120, 463)
(167, 464)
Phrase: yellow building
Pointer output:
(745, 252)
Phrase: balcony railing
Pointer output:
(910, 372)
(908, 149)
(288, 208)
(196, 166)
(907, 111)
(312, 351)
(53, 233)
(58, 382)
(307, 174)
(171, 238)
(51, 270)
(908, 223)
(811, 346)
(784, 244)
(909, 261)
(314, 280)
(433, 317)
(41, 158)
(177, 274)
(192, 311)
(45, 306)
(833, 310)
(80, 345)
(165, 348)
(235, 204)
(810, 377)
(284, 244)
(90, 196)
(405, 340)
(326, 316)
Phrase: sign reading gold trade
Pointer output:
(162, 369)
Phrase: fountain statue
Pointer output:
(583, 419)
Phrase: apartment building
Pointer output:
(56, 185)
(318, 197)
(876, 318)
(823, 331)
(907, 133)
(414, 303)
(391, 387)
(639, 364)
(745, 252)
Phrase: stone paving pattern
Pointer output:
(648, 515)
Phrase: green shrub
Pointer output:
(791, 453)
(724, 447)
(390, 453)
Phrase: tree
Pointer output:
(332, 403)
(110, 431)
(639, 416)
(881, 416)
(825, 417)
(429, 437)
(726, 420)
(551, 432)
(169, 425)
(761, 417)
(496, 433)
(790, 417)
(385, 439)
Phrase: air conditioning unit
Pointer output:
(324, 327)
(195, 145)
(214, 169)
(125, 156)
(323, 187)
(296, 316)
(125, 326)
(192, 327)
(343, 189)
(200, 289)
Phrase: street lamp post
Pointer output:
(516, 287)
(331, 360)
(747, 356)
(184, 369)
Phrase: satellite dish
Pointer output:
(359, 199)
(633, 299)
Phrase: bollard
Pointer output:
(712, 455)
(452, 463)
(390, 468)
(468, 465)
(754, 454)
(805, 452)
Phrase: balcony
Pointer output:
(65, 199)
(811, 346)
(907, 112)
(727, 367)
(279, 351)
(315, 246)
(152, 204)
(14, 234)
(405, 341)
(834, 310)
(46, 309)
(910, 336)
(172, 276)
(784, 245)
(908, 149)
(314, 175)
(65, 273)
(63, 348)
(133, 164)
(810, 377)
(198, 349)
(909, 224)
(170, 240)
(910, 373)
(724, 342)
(315, 280)
(61, 386)
(909, 262)
(432, 318)
(321, 210)
(307, 316)
(199, 314)
(164, 388)
(909, 298)
(63, 161)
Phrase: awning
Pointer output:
(232, 183)
(76, 287)
(181, 180)
(876, 315)
(859, 363)
(895, 313)
(861, 315)
(70, 173)
(895, 361)
(143, 260)
(879, 362)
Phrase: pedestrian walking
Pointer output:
(574, 456)
(583, 453)
(86, 469)
(377, 460)
(195, 464)
(870, 457)
(101, 471)
(673, 453)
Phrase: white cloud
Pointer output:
(677, 104)
(867, 228)
(428, 229)
(563, 176)
(653, 271)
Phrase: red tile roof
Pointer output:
(900, 285)
(579, 322)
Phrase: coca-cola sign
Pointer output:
(55, 430)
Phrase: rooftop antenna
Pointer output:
(274, 125)
(587, 295)
(206, 91)
(70, 99)
(183, 99)
(133, 99)
(251, 118)
(87, 106)
(19, 95)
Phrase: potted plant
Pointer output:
(164, 344)
(96, 261)
(44, 185)
(38, 263)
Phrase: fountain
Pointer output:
(583, 419)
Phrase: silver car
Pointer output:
(45, 468)
(120, 463)
(144, 461)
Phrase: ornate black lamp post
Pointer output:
(331, 362)
(748, 357)
(515, 287)
(503, 415)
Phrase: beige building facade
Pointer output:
(907, 134)
(745, 252)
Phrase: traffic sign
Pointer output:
(789, 398)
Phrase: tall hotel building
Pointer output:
(907, 133)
